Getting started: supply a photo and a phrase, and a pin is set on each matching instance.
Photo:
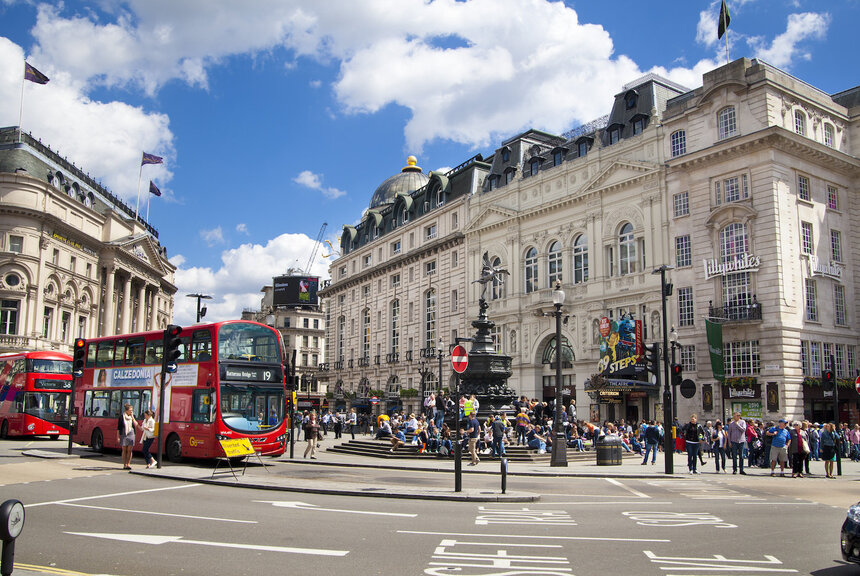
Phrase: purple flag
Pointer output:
(151, 159)
(153, 189)
(34, 75)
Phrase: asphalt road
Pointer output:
(100, 520)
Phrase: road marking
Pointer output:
(628, 488)
(523, 536)
(49, 569)
(111, 495)
(526, 516)
(158, 513)
(637, 502)
(306, 506)
(677, 519)
(717, 563)
(779, 503)
(155, 539)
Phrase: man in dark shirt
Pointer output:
(498, 437)
(441, 404)
(652, 440)
(473, 431)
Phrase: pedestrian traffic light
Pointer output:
(172, 343)
(828, 378)
(677, 374)
(79, 358)
(652, 359)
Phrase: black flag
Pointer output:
(725, 18)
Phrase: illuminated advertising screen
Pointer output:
(295, 290)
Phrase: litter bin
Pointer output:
(609, 451)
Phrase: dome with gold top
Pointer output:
(408, 180)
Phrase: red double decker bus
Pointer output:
(229, 383)
(34, 394)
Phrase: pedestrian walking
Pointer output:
(312, 430)
(148, 437)
(125, 428)
(780, 440)
(828, 441)
(719, 442)
(652, 440)
(691, 433)
(798, 448)
(736, 435)
(473, 432)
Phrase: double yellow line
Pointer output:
(49, 570)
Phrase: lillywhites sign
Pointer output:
(741, 393)
(818, 267)
(744, 263)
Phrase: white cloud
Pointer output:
(242, 228)
(212, 237)
(313, 181)
(315, 83)
(243, 272)
(784, 47)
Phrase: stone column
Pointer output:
(153, 314)
(126, 306)
(108, 313)
(141, 308)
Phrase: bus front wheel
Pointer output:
(97, 441)
(4, 429)
(174, 448)
(54, 436)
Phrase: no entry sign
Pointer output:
(857, 384)
(459, 359)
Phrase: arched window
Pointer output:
(829, 139)
(679, 143)
(580, 259)
(509, 174)
(404, 215)
(627, 249)
(365, 333)
(736, 288)
(800, 122)
(498, 288)
(726, 122)
(506, 154)
(430, 319)
(440, 197)
(531, 270)
(554, 263)
(395, 326)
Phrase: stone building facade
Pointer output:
(74, 260)
(397, 296)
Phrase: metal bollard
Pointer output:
(11, 524)
(504, 466)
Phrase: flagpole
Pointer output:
(21, 111)
(726, 28)
(147, 205)
(139, 174)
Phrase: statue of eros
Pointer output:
(490, 273)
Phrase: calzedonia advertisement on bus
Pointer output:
(144, 376)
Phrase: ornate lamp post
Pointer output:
(559, 446)
(441, 354)
(673, 341)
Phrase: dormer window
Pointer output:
(631, 99)
(506, 154)
(534, 167)
(509, 175)
(405, 215)
(582, 148)
(557, 156)
(440, 197)
(614, 135)
(494, 181)
(638, 125)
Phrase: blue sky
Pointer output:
(275, 116)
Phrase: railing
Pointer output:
(376, 360)
(428, 352)
(392, 357)
(364, 361)
(338, 365)
(735, 312)
(409, 355)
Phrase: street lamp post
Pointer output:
(673, 340)
(201, 312)
(441, 355)
(668, 413)
(559, 446)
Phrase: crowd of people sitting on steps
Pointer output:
(530, 423)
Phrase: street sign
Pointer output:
(374, 400)
(857, 384)
(459, 359)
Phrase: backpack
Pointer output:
(443, 450)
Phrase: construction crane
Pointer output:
(316, 247)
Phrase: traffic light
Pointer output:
(172, 342)
(652, 359)
(79, 358)
(677, 374)
(828, 378)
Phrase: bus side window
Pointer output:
(88, 403)
(119, 353)
(115, 403)
(101, 403)
(134, 352)
(154, 351)
(104, 356)
(19, 402)
(145, 401)
(201, 346)
(91, 355)
(183, 349)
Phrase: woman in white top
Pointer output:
(148, 437)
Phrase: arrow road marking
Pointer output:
(306, 506)
(156, 540)
(124, 510)
(177, 487)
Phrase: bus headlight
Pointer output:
(221, 437)
(282, 438)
